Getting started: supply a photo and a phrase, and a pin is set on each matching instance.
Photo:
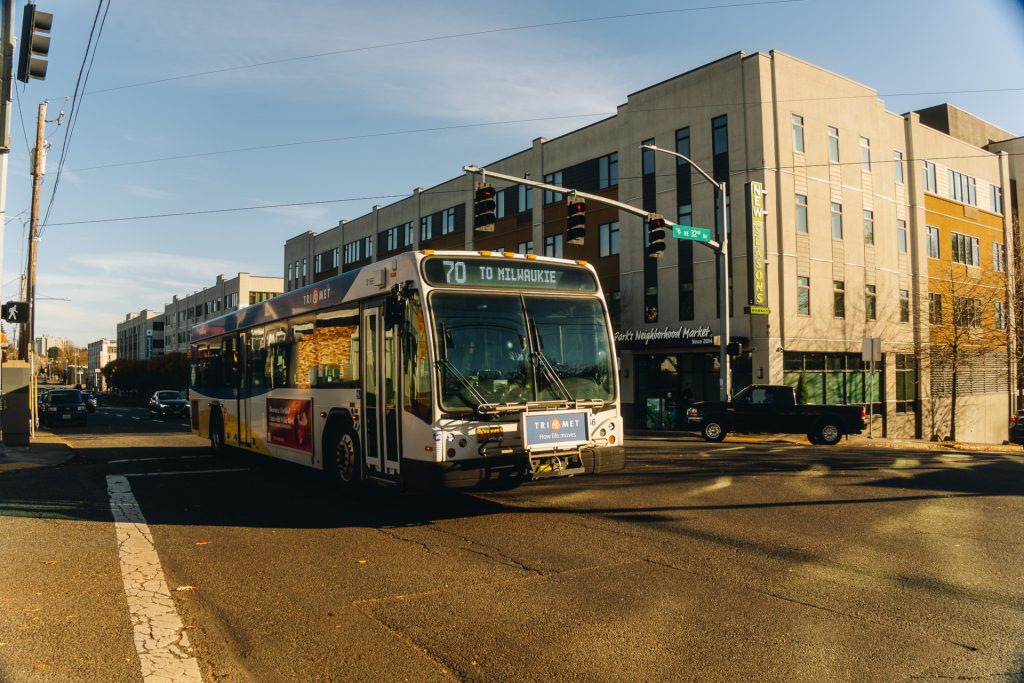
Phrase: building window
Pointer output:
(839, 298)
(965, 250)
(368, 246)
(904, 305)
(1000, 315)
(427, 226)
(869, 227)
(289, 276)
(408, 236)
(998, 257)
(719, 135)
(865, 154)
(525, 247)
(609, 234)
(934, 308)
(801, 213)
(608, 170)
(869, 302)
(837, 221)
(897, 159)
(933, 241)
(448, 221)
(966, 311)
(525, 198)
(647, 158)
(997, 199)
(683, 146)
(901, 235)
(962, 188)
(305, 271)
(798, 133)
(832, 378)
(553, 245)
(553, 179)
(803, 295)
(833, 144)
(391, 239)
(906, 383)
(929, 177)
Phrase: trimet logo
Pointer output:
(556, 424)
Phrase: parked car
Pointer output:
(166, 402)
(90, 401)
(63, 406)
(1017, 428)
(767, 408)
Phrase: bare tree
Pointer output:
(967, 342)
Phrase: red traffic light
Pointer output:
(483, 193)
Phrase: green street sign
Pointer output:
(688, 232)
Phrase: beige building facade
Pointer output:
(222, 297)
(141, 335)
(871, 215)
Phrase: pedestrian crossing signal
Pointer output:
(15, 312)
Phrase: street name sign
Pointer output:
(688, 232)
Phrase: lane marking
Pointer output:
(136, 418)
(176, 457)
(733, 448)
(164, 474)
(160, 638)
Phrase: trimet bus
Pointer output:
(428, 369)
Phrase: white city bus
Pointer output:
(428, 369)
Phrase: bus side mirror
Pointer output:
(394, 307)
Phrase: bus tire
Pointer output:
(341, 459)
(216, 434)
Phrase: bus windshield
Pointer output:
(514, 349)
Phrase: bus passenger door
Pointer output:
(245, 390)
(381, 400)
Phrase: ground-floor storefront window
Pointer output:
(667, 384)
(833, 378)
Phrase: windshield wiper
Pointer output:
(545, 364)
(477, 396)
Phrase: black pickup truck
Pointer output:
(774, 409)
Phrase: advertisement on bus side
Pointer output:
(290, 423)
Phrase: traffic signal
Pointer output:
(484, 204)
(576, 221)
(33, 43)
(657, 230)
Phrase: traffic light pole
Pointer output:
(561, 190)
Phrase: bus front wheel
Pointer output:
(342, 462)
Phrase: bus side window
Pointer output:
(303, 352)
(229, 360)
(257, 370)
(278, 352)
(335, 342)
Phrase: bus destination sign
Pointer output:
(507, 274)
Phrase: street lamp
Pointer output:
(722, 249)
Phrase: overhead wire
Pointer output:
(449, 36)
(84, 72)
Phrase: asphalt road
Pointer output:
(718, 562)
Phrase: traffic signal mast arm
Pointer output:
(646, 215)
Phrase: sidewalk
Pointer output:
(858, 441)
(46, 449)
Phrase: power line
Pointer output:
(765, 169)
(463, 126)
(75, 107)
(449, 36)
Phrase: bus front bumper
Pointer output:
(513, 469)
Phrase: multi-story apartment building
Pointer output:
(45, 343)
(220, 298)
(101, 352)
(141, 335)
(878, 224)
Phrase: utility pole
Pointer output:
(38, 169)
(6, 87)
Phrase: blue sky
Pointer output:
(576, 71)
